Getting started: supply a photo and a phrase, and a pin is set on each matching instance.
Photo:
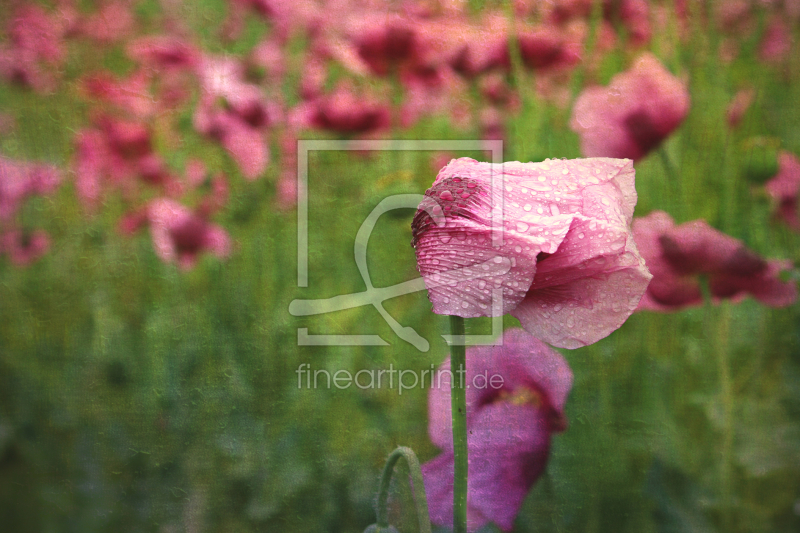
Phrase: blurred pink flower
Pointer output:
(113, 22)
(567, 266)
(776, 42)
(131, 95)
(117, 152)
(35, 47)
(515, 401)
(387, 43)
(181, 236)
(164, 52)
(634, 114)
(784, 188)
(20, 179)
(345, 111)
(241, 124)
(678, 255)
(633, 14)
(547, 48)
(24, 247)
(739, 105)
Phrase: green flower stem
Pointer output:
(458, 404)
(674, 186)
(419, 489)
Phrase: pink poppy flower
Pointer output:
(164, 52)
(240, 125)
(181, 236)
(118, 153)
(567, 266)
(776, 42)
(131, 95)
(784, 188)
(24, 248)
(113, 22)
(633, 115)
(547, 48)
(35, 48)
(515, 402)
(386, 44)
(739, 105)
(19, 180)
(678, 255)
(344, 111)
(633, 14)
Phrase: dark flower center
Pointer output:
(643, 131)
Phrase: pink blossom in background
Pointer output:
(633, 14)
(678, 255)
(634, 114)
(567, 268)
(345, 111)
(509, 428)
(131, 95)
(241, 124)
(387, 43)
(20, 180)
(164, 52)
(113, 22)
(784, 188)
(117, 153)
(776, 42)
(548, 48)
(739, 105)
(180, 236)
(24, 247)
(35, 48)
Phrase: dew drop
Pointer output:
(522, 227)
(446, 195)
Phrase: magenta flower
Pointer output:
(19, 180)
(515, 402)
(344, 111)
(547, 48)
(35, 47)
(240, 125)
(164, 52)
(23, 247)
(117, 153)
(678, 256)
(181, 236)
(633, 115)
(776, 42)
(567, 266)
(785, 189)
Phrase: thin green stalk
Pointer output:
(458, 404)
(674, 186)
(420, 500)
(727, 399)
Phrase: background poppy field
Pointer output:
(148, 257)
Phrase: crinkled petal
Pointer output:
(585, 310)
(522, 361)
(530, 206)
